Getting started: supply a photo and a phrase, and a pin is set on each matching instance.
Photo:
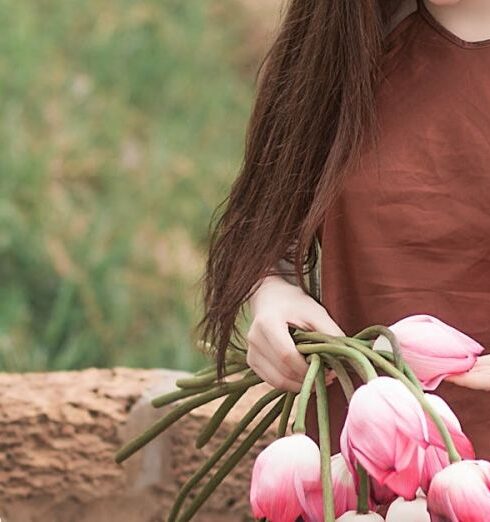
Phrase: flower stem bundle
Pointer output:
(395, 440)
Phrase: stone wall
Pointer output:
(59, 433)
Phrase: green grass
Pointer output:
(121, 128)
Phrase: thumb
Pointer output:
(319, 320)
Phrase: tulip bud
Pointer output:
(344, 492)
(460, 492)
(344, 489)
(353, 516)
(435, 456)
(381, 495)
(432, 349)
(402, 510)
(283, 475)
(385, 431)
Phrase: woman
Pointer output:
(371, 129)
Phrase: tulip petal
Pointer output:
(313, 508)
(384, 432)
(436, 457)
(411, 511)
(434, 350)
(344, 492)
(463, 444)
(381, 495)
(352, 516)
(460, 492)
(281, 475)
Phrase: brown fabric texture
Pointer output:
(410, 232)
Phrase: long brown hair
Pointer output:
(313, 109)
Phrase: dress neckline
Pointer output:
(429, 18)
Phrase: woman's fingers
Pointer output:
(318, 320)
(329, 377)
(284, 351)
(271, 338)
(267, 371)
(475, 381)
(271, 350)
(478, 378)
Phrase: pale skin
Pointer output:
(467, 19)
(478, 378)
(275, 306)
(278, 304)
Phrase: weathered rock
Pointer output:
(59, 434)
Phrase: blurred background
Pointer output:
(122, 128)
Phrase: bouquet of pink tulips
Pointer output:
(400, 446)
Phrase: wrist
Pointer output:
(262, 283)
(265, 284)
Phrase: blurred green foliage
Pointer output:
(122, 127)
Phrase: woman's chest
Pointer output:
(426, 180)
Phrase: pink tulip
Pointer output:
(435, 456)
(433, 349)
(352, 516)
(344, 493)
(344, 489)
(461, 493)
(283, 475)
(385, 431)
(381, 495)
(312, 504)
(408, 511)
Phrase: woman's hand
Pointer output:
(272, 354)
(478, 378)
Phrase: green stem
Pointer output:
(205, 370)
(168, 398)
(348, 389)
(372, 332)
(232, 461)
(173, 416)
(390, 370)
(358, 361)
(406, 369)
(177, 395)
(236, 356)
(209, 378)
(221, 451)
(219, 416)
(300, 336)
(366, 342)
(325, 448)
(286, 412)
(363, 497)
(341, 374)
(299, 425)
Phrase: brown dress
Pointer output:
(410, 233)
